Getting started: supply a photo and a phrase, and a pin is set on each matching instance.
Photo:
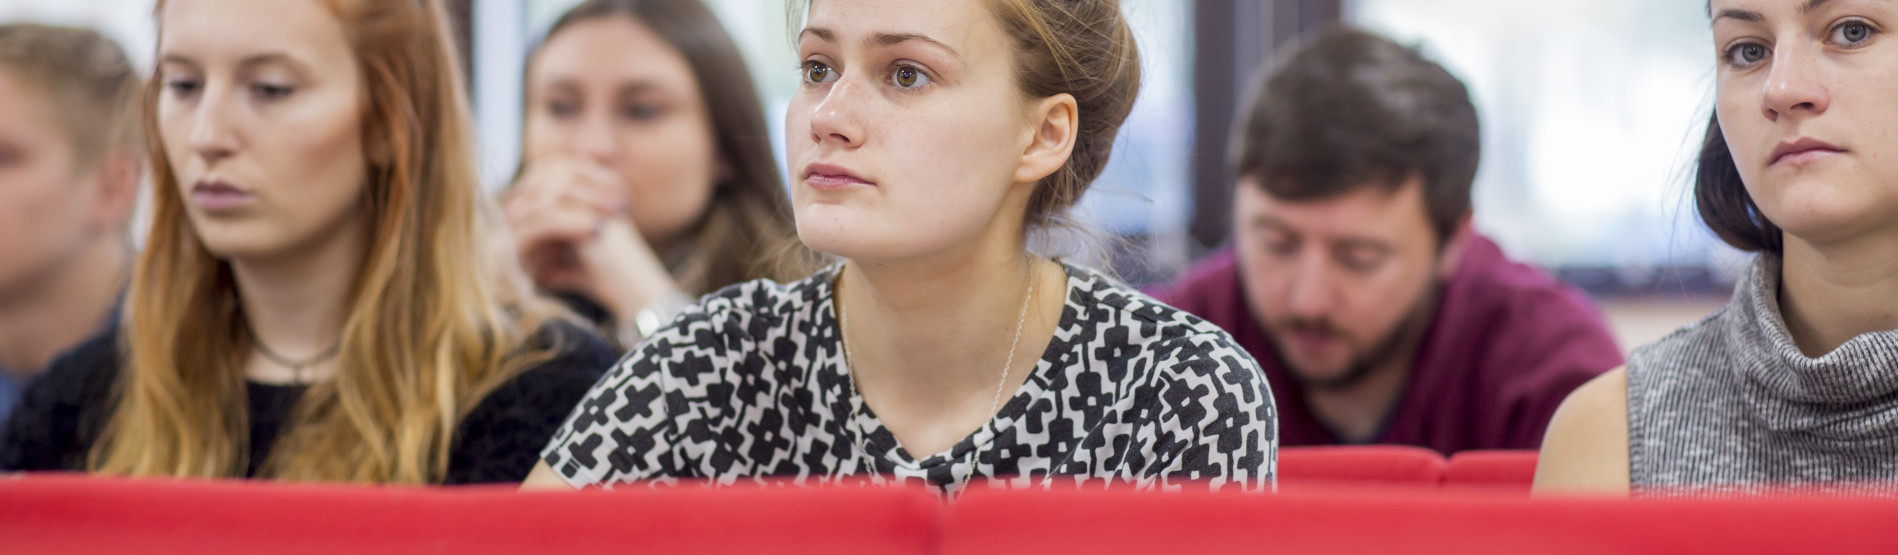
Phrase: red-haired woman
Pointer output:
(319, 298)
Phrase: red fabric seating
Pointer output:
(1499, 469)
(1379, 465)
(60, 514)
(74, 514)
(1406, 521)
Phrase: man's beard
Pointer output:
(1387, 350)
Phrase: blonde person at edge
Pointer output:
(1790, 385)
(69, 176)
(316, 301)
(648, 177)
(928, 141)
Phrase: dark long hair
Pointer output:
(746, 232)
(1723, 202)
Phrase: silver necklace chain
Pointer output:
(995, 406)
(296, 366)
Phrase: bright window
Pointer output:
(1592, 115)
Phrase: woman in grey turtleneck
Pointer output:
(1794, 384)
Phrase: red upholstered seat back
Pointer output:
(1499, 469)
(1409, 522)
(1368, 465)
(72, 514)
(64, 514)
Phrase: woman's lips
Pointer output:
(1804, 156)
(1802, 151)
(217, 196)
(830, 178)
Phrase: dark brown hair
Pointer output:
(746, 233)
(85, 76)
(1722, 199)
(1348, 108)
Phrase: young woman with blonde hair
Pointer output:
(317, 300)
(69, 178)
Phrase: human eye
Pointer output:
(563, 108)
(271, 91)
(1280, 244)
(816, 73)
(907, 76)
(1851, 33)
(1744, 55)
(642, 111)
(183, 86)
(1361, 261)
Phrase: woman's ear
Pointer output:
(1054, 123)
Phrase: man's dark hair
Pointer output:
(1348, 108)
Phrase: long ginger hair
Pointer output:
(435, 321)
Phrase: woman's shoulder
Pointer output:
(571, 358)
(765, 297)
(1164, 353)
(741, 315)
(1122, 303)
(1121, 314)
(574, 353)
(1586, 448)
(1693, 354)
(745, 324)
(497, 439)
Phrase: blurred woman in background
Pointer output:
(648, 178)
(318, 299)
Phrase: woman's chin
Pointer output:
(832, 245)
(859, 247)
(1837, 220)
(231, 247)
(830, 231)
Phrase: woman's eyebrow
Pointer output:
(1742, 15)
(882, 39)
(248, 63)
(1755, 17)
(891, 39)
(819, 32)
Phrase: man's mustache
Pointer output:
(1315, 326)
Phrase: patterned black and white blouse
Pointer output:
(751, 384)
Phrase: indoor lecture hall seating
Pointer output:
(1375, 499)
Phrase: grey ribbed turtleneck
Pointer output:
(1731, 405)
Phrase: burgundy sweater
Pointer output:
(1507, 344)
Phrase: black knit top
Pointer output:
(63, 412)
